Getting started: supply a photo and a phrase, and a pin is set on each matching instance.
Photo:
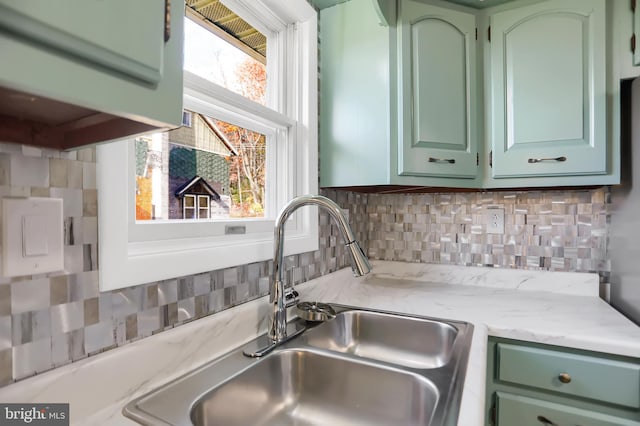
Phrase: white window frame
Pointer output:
(133, 253)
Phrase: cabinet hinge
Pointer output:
(489, 33)
(633, 43)
(633, 5)
(167, 20)
(492, 414)
(490, 158)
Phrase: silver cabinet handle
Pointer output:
(540, 160)
(442, 160)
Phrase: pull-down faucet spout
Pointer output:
(359, 262)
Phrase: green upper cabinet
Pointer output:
(548, 90)
(437, 111)
(121, 35)
(83, 71)
(354, 96)
(504, 94)
(360, 95)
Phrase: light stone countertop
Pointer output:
(548, 307)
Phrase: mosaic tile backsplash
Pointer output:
(50, 320)
(550, 230)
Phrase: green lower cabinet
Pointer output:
(524, 411)
(530, 384)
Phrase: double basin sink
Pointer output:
(362, 367)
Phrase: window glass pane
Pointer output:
(189, 213)
(210, 57)
(220, 164)
(186, 118)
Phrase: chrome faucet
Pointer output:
(359, 262)
(360, 265)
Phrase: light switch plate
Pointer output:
(32, 236)
(495, 221)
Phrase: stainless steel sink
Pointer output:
(302, 387)
(408, 341)
(362, 367)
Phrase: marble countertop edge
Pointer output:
(573, 283)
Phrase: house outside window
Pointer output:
(202, 150)
(196, 199)
(189, 203)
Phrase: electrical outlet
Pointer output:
(495, 221)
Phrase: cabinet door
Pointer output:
(121, 35)
(437, 111)
(525, 411)
(548, 90)
(354, 96)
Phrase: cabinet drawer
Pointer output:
(524, 411)
(601, 379)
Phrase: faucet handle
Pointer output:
(291, 297)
